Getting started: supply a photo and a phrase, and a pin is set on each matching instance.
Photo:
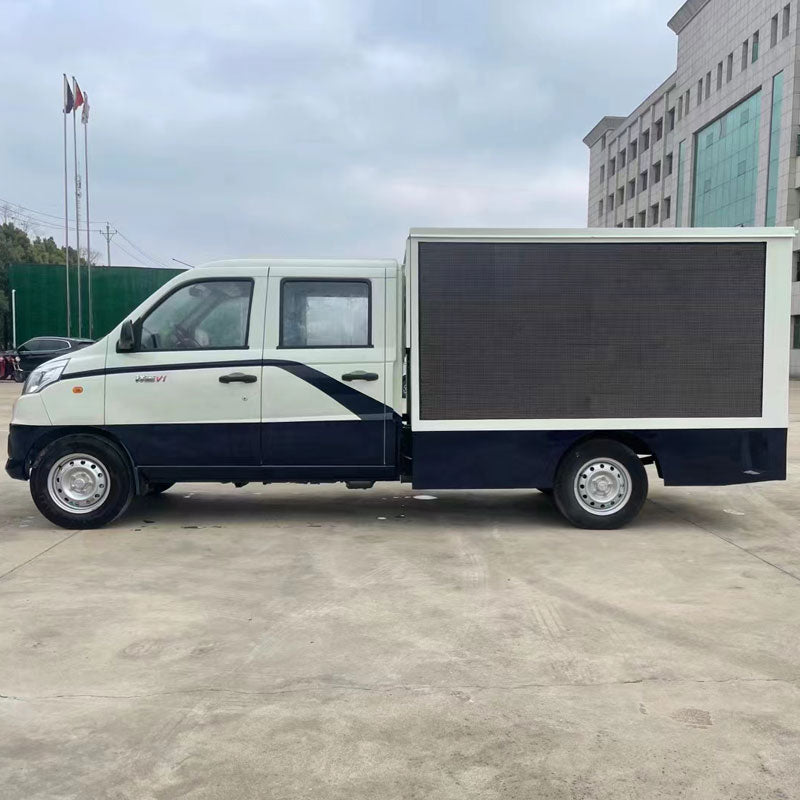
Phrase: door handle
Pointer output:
(237, 377)
(360, 375)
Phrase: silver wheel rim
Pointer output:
(602, 486)
(78, 483)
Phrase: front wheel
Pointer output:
(81, 481)
(600, 484)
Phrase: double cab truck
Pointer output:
(561, 360)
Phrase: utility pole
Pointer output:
(107, 234)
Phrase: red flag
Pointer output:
(78, 93)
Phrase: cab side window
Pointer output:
(325, 313)
(205, 315)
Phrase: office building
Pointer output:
(717, 143)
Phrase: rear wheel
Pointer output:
(81, 481)
(600, 484)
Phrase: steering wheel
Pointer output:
(185, 339)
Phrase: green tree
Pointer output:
(17, 247)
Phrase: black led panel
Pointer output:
(551, 330)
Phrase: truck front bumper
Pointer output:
(20, 441)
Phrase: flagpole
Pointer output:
(77, 216)
(85, 120)
(66, 216)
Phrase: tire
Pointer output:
(600, 484)
(81, 481)
(156, 488)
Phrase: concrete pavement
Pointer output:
(286, 642)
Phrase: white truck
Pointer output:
(563, 360)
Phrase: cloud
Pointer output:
(321, 127)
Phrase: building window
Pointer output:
(754, 56)
(612, 166)
(773, 31)
(708, 85)
(634, 149)
(631, 188)
(645, 141)
(796, 277)
(600, 209)
(680, 107)
(725, 169)
(657, 172)
(785, 31)
(629, 222)
(643, 181)
(679, 182)
(719, 76)
(603, 141)
(667, 207)
(796, 332)
(654, 214)
(699, 91)
(602, 173)
(771, 213)
(668, 164)
(745, 50)
(687, 102)
(611, 202)
(622, 156)
(671, 120)
(642, 219)
(659, 128)
(620, 196)
(325, 313)
(729, 68)
(619, 224)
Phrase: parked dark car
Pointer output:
(42, 348)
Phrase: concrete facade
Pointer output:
(642, 167)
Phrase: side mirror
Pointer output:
(127, 340)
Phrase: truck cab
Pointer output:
(246, 370)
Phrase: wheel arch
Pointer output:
(628, 438)
(49, 436)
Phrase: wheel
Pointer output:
(81, 481)
(156, 488)
(20, 376)
(600, 484)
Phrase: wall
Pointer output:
(41, 304)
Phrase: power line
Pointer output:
(140, 250)
(33, 220)
(131, 255)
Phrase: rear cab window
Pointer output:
(324, 313)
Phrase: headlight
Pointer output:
(44, 376)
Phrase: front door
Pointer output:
(324, 404)
(190, 393)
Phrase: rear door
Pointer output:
(190, 394)
(323, 407)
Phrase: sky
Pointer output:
(319, 128)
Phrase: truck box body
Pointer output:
(522, 342)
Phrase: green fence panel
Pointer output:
(41, 300)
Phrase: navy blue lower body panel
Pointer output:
(522, 459)
(324, 450)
